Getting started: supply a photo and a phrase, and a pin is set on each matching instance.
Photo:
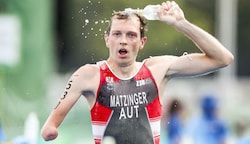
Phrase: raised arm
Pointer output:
(214, 55)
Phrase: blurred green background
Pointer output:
(54, 38)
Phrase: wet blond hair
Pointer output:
(122, 15)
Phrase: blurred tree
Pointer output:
(26, 83)
(243, 46)
(3, 5)
(82, 23)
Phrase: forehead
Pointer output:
(130, 22)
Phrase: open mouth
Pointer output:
(123, 51)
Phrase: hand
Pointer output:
(170, 13)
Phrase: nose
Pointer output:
(123, 40)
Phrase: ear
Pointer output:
(106, 38)
(143, 42)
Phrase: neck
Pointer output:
(124, 70)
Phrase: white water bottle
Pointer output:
(149, 12)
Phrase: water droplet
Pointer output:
(86, 21)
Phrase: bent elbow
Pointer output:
(227, 60)
(230, 59)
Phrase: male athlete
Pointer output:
(125, 95)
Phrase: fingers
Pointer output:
(170, 13)
(170, 7)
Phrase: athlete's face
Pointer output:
(124, 40)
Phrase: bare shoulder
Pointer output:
(88, 70)
(159, 65)
(87, 76)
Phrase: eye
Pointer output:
(116, 33)
(131, 35)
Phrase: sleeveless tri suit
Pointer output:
(129, 109)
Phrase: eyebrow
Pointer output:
(125, 32)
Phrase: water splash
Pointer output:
(92, 27)
(95, 28)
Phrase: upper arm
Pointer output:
(80, 81)
(186, 65)
(192, 65)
